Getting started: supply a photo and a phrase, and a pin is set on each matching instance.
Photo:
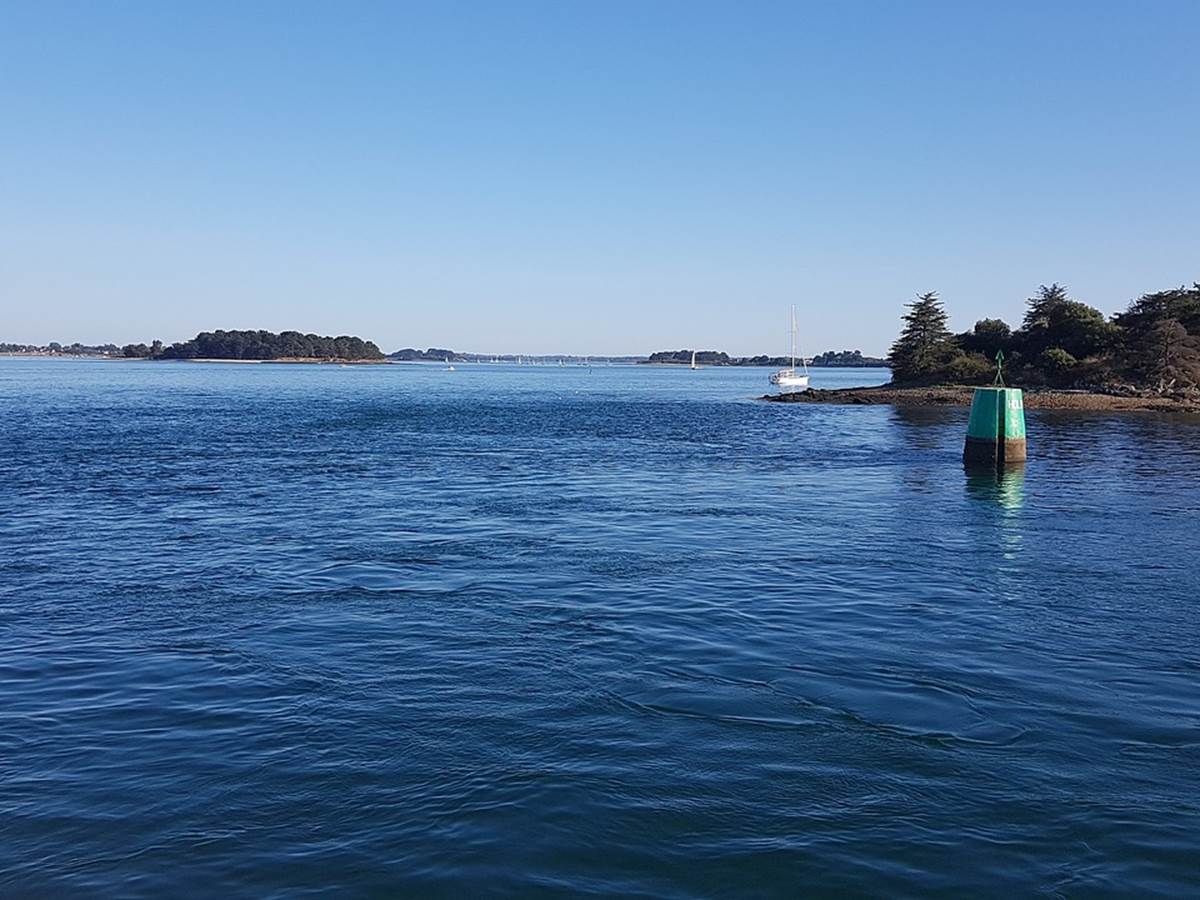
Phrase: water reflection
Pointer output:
(1004, 488)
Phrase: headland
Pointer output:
(960, 395)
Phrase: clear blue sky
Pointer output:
(599, 177)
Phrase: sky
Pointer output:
(600, 177)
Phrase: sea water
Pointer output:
(277, 630)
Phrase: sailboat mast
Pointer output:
(793, 335)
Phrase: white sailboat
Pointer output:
(694, 366)
(790, 377)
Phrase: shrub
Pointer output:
(970, 368)
(1057, 364)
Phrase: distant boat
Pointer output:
(790, 377)
(449, 367)
(694, 366)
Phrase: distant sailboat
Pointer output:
(449, 367)
(790, 377)
(694, 366)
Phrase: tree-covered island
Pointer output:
(1154, 345)
(1070, 354)
(55, 348)
(433, 354)
(261, 346)
(830, 358)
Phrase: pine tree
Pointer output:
(1042, 304)
(924, 343)
(1182, 304)
(1170, 356)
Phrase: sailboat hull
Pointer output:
(789, 379)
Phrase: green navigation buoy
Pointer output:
(996, 431)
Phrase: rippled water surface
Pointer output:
(276, 630)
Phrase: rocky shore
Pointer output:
(953, 395)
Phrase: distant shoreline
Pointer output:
(955, 395)
(298, 360)
(674, 364)
(287, 360)
(290, 360)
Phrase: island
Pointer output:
(828, 359)
(1066, 355)
(54, 348)
(961, 395)
(261, 346)
(442, 355)
(846, 359)
(433, 354)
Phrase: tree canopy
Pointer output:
(846, 358)
(1169, 355)
(703, 357)
(1154, 344)
(1041, 304)
(924, 346)
(266, 345)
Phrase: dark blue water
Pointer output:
(270, 631)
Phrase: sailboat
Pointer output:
(694, 366)
(790, 377)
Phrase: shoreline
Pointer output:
(287, 360)
(708, 365)
(957, 395)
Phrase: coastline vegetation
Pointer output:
(229, 345)
(54, 348)
(259, 345)
(1061, 343)
(1153, 346)
(853, 359)
(433, 354)
(830, 359)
